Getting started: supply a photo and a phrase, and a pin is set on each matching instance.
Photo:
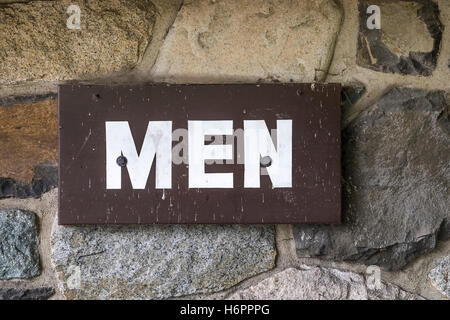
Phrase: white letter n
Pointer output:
(258, 143)
(158, 140)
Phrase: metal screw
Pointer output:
(121, 161)
(266, 161)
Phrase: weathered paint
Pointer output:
(315, 195)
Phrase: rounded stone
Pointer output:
(37, 45)
(247, 41)
(439, 276)
(316, 283)
(157, 261)
(19, 244)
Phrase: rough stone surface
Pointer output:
(26, 294)
(29, 133)
(11, 1)
(19, 244)
(396, 168)
(315, 283)
(153, 262)
(11, 100)
(37, 45)
(440, 277)
(408, 41)
(444, 232)
(247, 41)
(45, 178)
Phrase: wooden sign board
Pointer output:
(158, 153)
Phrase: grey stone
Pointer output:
(154, 262)
(408, 41)
(396, 170)
(439, 276)
(44, 179)
(19, 244)
(26, 294)
(316, 283)
(248, 41)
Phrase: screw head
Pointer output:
(121, 161)
(266, 161)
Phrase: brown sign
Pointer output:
(259, 153)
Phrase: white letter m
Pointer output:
(157, 141)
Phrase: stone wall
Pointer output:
(396, 148)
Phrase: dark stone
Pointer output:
(374, 54)
(396, 177)
(12, 100)
(350, 94)
(45, 178)
(26, 294)
(444, 231)
(19, 244)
